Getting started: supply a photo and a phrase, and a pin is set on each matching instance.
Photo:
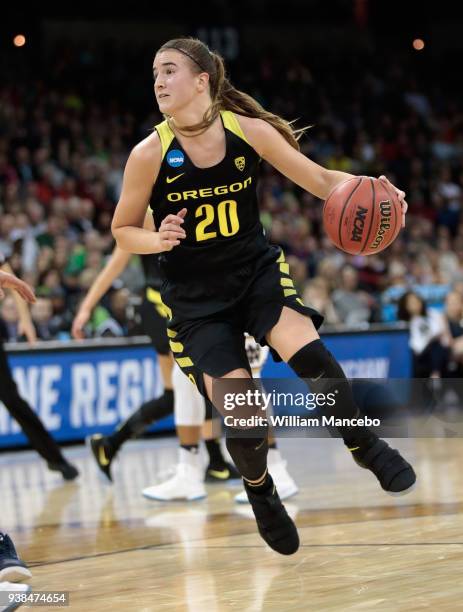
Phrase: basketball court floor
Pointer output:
(361, 549)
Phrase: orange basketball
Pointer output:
(362, 215)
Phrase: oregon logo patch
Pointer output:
(240, 162)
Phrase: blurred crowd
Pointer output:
(67, 128)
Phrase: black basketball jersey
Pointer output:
(151, 271)
(224, 235)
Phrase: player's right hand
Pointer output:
(171, 230)
(80, 321)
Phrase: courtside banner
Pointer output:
(362, 354)
(80, 388)
(80, 391)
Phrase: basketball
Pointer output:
(362, 215)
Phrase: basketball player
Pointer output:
(105, 448)
(30, 423)
(198, 170)
(12, 569)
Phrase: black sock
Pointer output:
(215, 451)
(146, 415)
(263, 487)
(191, 448)
(358, 440)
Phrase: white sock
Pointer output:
(191, 457)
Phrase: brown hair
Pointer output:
(224, 95)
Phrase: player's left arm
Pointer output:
(312, 177)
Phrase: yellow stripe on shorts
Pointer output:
(184, 362)
(287, 282)
(176, 347)
(289, 292)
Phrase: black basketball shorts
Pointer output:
(215, 344)
(154, 318)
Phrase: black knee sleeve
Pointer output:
(157, 409)
(149, 412)
(248, 454)
(315, 363)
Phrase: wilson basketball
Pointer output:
(362, 215)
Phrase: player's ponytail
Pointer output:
(224, 96)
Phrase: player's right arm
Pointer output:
(140, 174)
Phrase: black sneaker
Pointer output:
(273, 522)
(395, 475)
(12, 569)
(220, 472)
(68, 471)
(103, 452)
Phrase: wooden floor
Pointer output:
(361, 548)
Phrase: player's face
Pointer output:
(175, 84)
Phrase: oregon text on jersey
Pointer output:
(205, 192)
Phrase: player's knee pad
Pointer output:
(189, 404)
(315, 363)
(248, 453)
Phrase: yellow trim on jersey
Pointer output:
(166, 136)
(287, 282)
(168, 311)
(289, 292)
(171, 333)
(184, 362)
(232, 124)
(154, 297)
(300, 301)
(284, 268)
(281, 259)
(176, 347)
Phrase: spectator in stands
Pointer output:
(9, 322)
(453, 333)
(427, 328)
(352, 306)
(42, 317)
(317, 294)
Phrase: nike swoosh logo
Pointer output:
(174, 178)
(102, 456)
(222, 474)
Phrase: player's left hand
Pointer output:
(10, 281)
(400, 195)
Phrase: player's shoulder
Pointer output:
(148, 150)
(253, 125)
(257, 131)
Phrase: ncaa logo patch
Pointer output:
(240, 162)
(175, 158)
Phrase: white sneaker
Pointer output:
(10, 587)
(186, 484)
(285, 485)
